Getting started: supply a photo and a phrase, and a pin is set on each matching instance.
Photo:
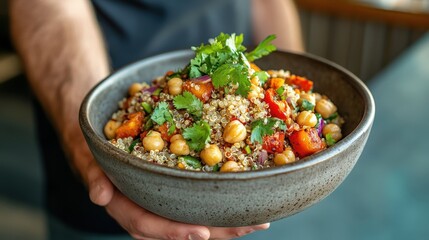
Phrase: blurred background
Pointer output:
(384, 42)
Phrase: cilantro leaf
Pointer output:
(262, 75)
(306, 105)
(198, 135)
(264, 48)
(162, 114)
(264, 127)
(232, 73)
(223, 49)
(189, 102)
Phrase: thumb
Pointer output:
(100, 188)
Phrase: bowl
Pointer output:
(239, 198)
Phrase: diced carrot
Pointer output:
(163, 129)
(276, 82)
(306, 142)
(274, 143)
(255, 67)
(202, 90)
(131, 127)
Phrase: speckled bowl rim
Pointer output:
(363, 126)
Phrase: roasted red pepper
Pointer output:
(278, 109)
(274, 143)
(301, 82)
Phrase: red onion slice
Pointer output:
(263, 156)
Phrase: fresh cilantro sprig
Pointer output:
(264, 127)
(223, 49)
(189, 102)
(262, 75)
(232, 73)
(162, 114)
(198, 135)
(224, 59)
(264, 48)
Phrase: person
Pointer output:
(68, 46)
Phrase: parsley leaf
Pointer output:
(264, 48)
(162, 114)
(189, 102)
(232, 73)
(306, 105)
(223, 49)
(264, 127)
(262, 75)
(198, 135)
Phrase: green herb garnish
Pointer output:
(306, 105)
(225, 61)
(329, 140)
(147, 107)
(198, 135)
(162, 114)
(133, 144)
(189, 102)
(191, 161)
(264, 48)
(264, 127)
(262, 75)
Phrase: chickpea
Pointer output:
(332, 129)
(153, 141)
(287, 156)
(307, 96)
(211, 155)
(176, 137)
(306, 118)
(230, 166)
(179, 147)
(175, 86)
(135, 88)
(325, 107)
(110, 129)
(234, 132)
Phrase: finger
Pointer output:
(142, 224)
(228, 233)
(100, 188)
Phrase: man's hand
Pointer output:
(64, 56)
(142, 224)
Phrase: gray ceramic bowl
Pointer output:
(231, 199)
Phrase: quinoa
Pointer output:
(195, 124)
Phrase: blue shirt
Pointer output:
(135, 29)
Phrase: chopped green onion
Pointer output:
(191, 161)
(149, 124)
(216, 168)
(157, 92)
(147, 107)
(133, 144)
(332, 117)
(247, 149)
(329, 140)
(280, 91)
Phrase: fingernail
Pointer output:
(195, 236)
(262, 226)
(94, 193)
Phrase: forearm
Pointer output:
(278, 17)
(64, 56)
